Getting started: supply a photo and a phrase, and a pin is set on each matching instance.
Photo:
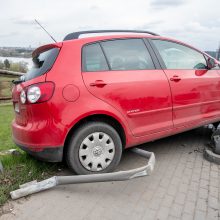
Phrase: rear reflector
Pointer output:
(16, 107)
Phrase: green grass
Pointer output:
(6, 116)
(18, 169)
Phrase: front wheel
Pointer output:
(95, 147)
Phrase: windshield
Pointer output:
(42, 63)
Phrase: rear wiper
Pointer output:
(17, 81)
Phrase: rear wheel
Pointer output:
(94, 148)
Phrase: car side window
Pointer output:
(93, 59)
(127, 54)
(177, 56)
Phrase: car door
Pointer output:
(195, 88)
(121, 72)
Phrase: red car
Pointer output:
(87, 99)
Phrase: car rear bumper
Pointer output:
(47, 154)
(41, 140)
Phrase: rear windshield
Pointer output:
(42, 63)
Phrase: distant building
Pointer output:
(218, 53)
(211, 53)
(215, 54)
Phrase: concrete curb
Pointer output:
(212, 157)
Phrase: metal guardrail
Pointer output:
(10, 73)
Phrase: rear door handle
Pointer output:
(98, 83)
(175, 78)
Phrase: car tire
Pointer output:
(94, 147)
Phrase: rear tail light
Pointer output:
(37, 93)
(33, 94)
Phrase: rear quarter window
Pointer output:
(42, 63)
(93, 59)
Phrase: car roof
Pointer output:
(93, 39)
(100, 37)
(103, 35)
(76, 35)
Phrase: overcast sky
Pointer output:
(196, 22)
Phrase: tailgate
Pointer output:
(23, 112)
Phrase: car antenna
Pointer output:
(45, 30)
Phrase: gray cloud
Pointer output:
(23, 21)
(166, 3)
(211, 23)
(150, 25)
(94, 7)
(183, 20)
(15, 33)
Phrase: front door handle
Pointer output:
(175, 78)
(98, 83)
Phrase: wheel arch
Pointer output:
(112, 121)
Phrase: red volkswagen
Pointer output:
(87, 99)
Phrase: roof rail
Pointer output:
(75, 35)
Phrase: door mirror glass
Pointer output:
(211, 63)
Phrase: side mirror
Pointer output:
(211, 63)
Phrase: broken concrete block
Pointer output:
(10, 152)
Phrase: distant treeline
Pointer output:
(21, 66)
(16, 52)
